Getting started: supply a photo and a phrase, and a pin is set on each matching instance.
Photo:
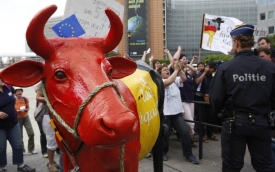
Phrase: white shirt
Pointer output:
(172, 99)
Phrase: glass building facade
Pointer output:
(183, 21)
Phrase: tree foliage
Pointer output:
(272, 40)
(112, 53)
(217, 58)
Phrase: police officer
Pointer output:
(244, 89)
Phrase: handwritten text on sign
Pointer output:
(91, 15)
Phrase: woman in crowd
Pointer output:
(10, 130)
(22, 108)
(50, 135)
(173, 111)
(187, 94)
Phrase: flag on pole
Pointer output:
(216, 32)
(68, 27)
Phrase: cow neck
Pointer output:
(74, 132)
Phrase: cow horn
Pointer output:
(35, 32)
(116, 31)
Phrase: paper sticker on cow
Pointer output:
(108, 111)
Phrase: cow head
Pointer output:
(73, 68)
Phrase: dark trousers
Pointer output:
(206, 112)
(182, 129)
(256, 136)
(43, 141)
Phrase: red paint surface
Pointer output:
(73, 68)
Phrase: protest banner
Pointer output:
(91, 15)
(260, 31)
(216, 32)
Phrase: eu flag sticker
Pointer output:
(68, 27)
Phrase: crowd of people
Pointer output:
(14, 108)
(183, 85)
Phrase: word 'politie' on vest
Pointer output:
(248, 77)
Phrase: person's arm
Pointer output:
(172, 77)
(193, 59)
(143, 58)
(193, 71)
(40, 96)
(182, 76)
(176, 56)
(169, 56)
(151, 58)
(200, 78)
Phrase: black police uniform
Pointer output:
(245, 88)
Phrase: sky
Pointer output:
(15, 16)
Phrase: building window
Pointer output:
(262, 2)
(270, 14)
(271, 30)
(262, 16)
(271, 1)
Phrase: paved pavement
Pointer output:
(211, 161)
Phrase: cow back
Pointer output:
(146, 94)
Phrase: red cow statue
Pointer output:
(107, 113)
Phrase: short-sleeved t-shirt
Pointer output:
(19, 103)
(203, 87)
(172, 100)
(7, 102)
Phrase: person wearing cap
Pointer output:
(10, 131)
(202, 82)
(22, 108)
(243, 90)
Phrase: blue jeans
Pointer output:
(181, 127)
(13, 135)
(61, 168)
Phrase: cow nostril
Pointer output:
(104, 126)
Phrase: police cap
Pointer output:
(244, 30)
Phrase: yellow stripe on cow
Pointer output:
(145, 93)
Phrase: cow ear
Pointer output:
(122, 67)
(23, 74)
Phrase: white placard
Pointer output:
(260, 31)
(91, 15)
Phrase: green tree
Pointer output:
(216, 58)
(112, 53)
(272, 40)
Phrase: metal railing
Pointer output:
(201, 125)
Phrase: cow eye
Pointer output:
(60, 75)
(110, 72)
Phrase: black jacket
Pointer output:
(248, 80)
